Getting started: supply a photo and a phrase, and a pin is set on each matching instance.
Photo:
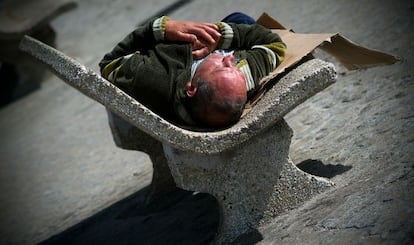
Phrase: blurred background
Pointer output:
(59, 165)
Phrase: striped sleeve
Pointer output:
(275, 52)
(227, 35)
(158, 28)
(110, 71)
(244, 67)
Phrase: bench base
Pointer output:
(252, 184)
(129, 137)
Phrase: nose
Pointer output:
(228, 60)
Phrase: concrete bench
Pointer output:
(19, 18)
(245, 167)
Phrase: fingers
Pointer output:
(204, 37)
(200, 53)
(186, 37)
(198, 45)
(181, 31)
(213, 30)
(211, 25)
(207, 32)
(201, 48)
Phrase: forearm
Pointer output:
(247, 37)
(142, 38)
(262, 52)
(202, 36)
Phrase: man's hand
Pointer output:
(203, 36)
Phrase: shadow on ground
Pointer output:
(316, 167)
(182, 217)
(185, 218)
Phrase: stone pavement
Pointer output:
(59, 166)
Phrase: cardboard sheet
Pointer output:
(299, 45)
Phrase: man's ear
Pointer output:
(190, 89)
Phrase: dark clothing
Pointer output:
(155, 72)
(239, 18)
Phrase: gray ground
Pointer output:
(59, 165)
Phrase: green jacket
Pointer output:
(155, 72)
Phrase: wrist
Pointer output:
(227, 34)
(159, 28)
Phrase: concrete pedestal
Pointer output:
(252, 183)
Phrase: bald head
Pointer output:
(217, 92)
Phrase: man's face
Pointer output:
(226, 79)
(218, 65)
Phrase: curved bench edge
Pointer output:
(295, 87)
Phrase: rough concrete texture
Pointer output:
(59, 164)
(252, 183)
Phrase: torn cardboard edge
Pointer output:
(299, 45)
(351, 55)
